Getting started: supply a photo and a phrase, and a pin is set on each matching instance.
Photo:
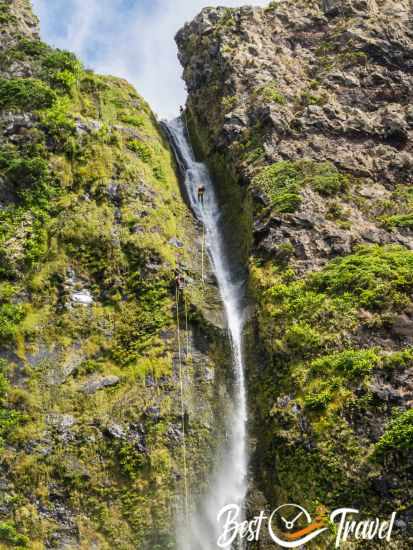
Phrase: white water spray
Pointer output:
(229, 482)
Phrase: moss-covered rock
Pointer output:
(93, 231)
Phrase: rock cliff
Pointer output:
(303, 110)
(92, 232)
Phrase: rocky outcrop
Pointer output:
(18, 21)
(303, 110)
(292, 84)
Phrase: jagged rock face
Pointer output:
(303, 107)
(18, 21)
(294, 82)
(340, 87)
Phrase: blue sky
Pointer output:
(133, 39)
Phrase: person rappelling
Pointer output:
(181, 110)
(180, 282)
(201, 193)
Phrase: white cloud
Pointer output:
(139, 47)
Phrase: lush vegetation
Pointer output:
(283, 181)
(90, 204)
(398, 435)
(302, 317)
(317, 392)
(375, 277)
(9, 535)
(25, 94)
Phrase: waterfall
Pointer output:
(229, 480)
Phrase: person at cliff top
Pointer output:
(201, 193)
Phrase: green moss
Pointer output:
(300, 339)
(398, 435)
(61, 60)
(328, 376)
(302, 318)
(10, 317)
(77, 218)
(375, 277)
(318, 401)
(131, 460)
(228, 103)
(134, 120)
(25, 94)
(269, 93)
(349, 363)
(227, 20)
(141, 149)
(6, 17)
(10, 418)
(404, 221)
(28, 177)
(9, 535)
(59, 124)
(282, 182)
(308, 98)
(398, 360)
(32, 48)
(139, 324)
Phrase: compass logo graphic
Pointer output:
(291, 526)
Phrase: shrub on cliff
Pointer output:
(11, 537)
(25, 94)
(373, 277)
(283, 181)
(399, 434)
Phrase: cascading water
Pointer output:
(229, 482)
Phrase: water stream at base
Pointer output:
(229, 481)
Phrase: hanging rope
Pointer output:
(188, 345)
(187, 131)
(181, 383)
(203, 255)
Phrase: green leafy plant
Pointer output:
(134, 120)
(282, 182)
(25, 94)
(229, 102)
(141, 149)
(9, 535)
(269, 93)
(373, 277)
(28, 177)
(58, 123)
(350, 363)
(399, 220)
(10, 317)
(318, 401)
(398, 435)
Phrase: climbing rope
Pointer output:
(181, 383)
(203, 255)
(188, 350)
(187, 132)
